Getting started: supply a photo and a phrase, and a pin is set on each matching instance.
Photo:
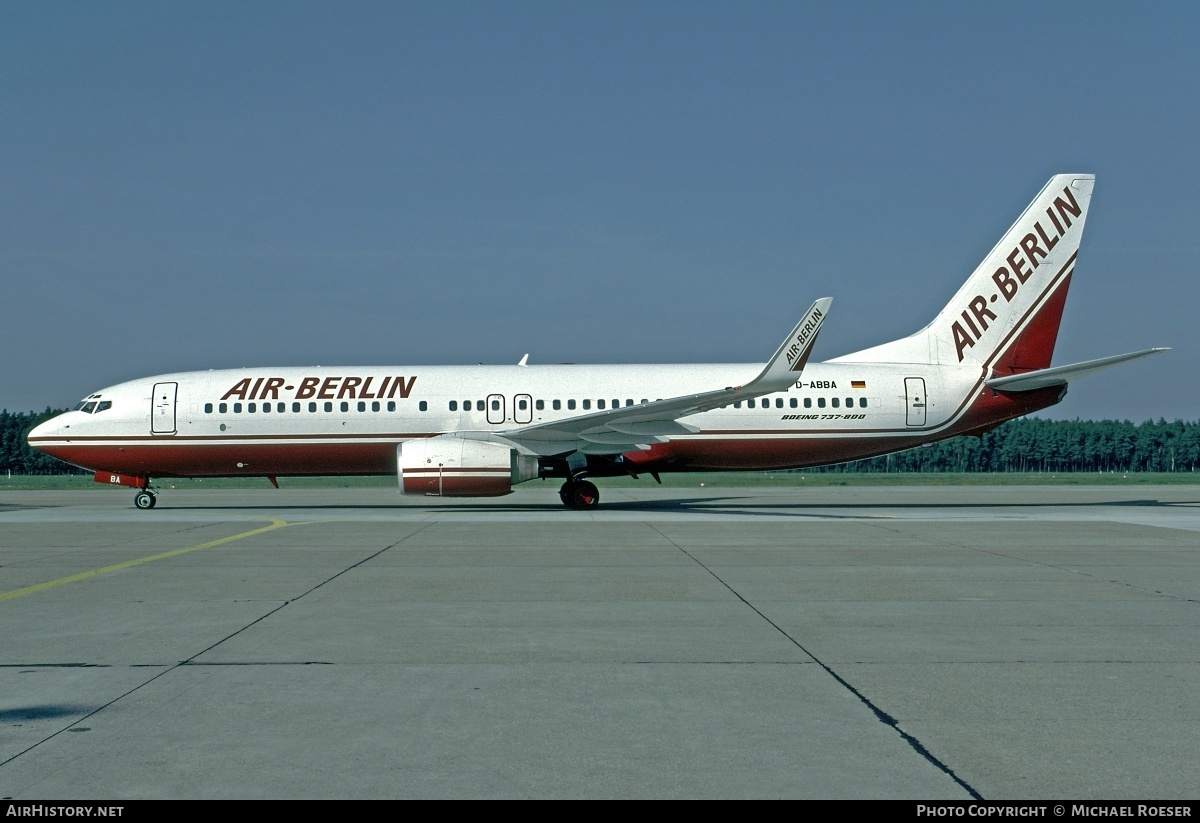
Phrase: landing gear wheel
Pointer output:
(145, 500)
(580, 495)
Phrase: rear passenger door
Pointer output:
(914, 389)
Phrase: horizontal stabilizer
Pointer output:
(1061, 375)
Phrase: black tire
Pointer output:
(564, 493)
(144, 500)
(584, 495)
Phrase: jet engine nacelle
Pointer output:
(450, 466)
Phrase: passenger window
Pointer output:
(208, 408)
(571, 405)
(312, 407)
(750, 403)
(522, 404)
(295, 407)
(453, 405)
(251, 407)
(540, 405)
(237, 408)
(362, 405)
(792, 402)
(836, 402)
(629, 401)
(557, 404)
(644, 400)
(391, 405)
(423, 406)
(466, 405)
(328, 407)
(862, 402)
(808, 402)
(495, 405)
(820, 402)
(281, 407)
(738, 404)
(779, 402)
(345, 406)
(374, 405)
(616, 403)
(223, 408)
(849, 402)
(600, 404)
(587, 404)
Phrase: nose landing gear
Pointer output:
(145, 499)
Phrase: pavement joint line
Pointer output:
(879, 713)
(191, 660)
(275, 523)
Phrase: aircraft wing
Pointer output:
(632, 428)
(1061, 375)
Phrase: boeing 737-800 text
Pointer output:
(479, 430)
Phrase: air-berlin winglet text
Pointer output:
(804, 336)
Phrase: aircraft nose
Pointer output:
(47, 428)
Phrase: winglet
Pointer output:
(790, 358)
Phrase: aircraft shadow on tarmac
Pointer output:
(723, 504)
(47, 712)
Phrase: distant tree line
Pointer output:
(1029, 444)
(15, 454)
(1022, 445)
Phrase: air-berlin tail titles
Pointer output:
(321, 388)
(1031, 250)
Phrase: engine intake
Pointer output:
(450, 466)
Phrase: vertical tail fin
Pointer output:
(1006, 316)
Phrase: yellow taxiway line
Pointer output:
(62, 581)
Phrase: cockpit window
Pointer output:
(88, 404)
(104, 405)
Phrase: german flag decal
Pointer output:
(858, 384)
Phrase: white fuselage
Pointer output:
(347, 421)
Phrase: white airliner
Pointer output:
(479, 430)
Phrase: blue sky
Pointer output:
(210, 185)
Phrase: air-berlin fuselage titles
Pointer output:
(480, 430)
(334, 387)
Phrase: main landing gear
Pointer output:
(145, 499)
(579, 494)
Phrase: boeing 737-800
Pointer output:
(479, 430)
